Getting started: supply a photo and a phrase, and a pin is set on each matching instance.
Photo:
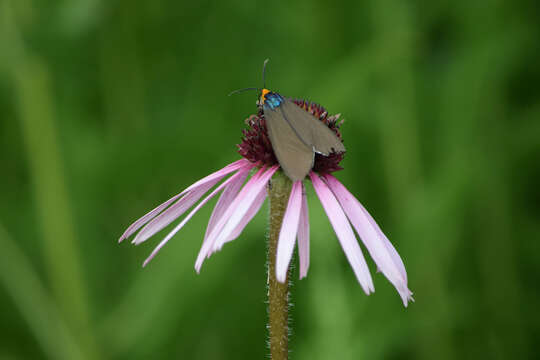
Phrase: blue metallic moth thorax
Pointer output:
(272, 100)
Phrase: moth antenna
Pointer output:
(264, 72)
(242, 90)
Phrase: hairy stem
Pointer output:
(278, 293)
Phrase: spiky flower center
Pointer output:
(257, 148)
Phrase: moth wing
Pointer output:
(311, 130)
(294, 156)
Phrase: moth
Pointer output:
(296, 135)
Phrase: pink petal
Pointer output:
(393, 252)
(253, 210)
(233, 178)
(344, 233)
(223, 203)
(289, 229)
(220, 174)
(395, 256)
(303, 236)
(241, 207)
(377, 244)
(209, 242)
(149, 216)
(391, 249)
(173, 212)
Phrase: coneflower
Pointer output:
(240, 200)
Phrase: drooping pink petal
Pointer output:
(303, 236)
(253, 210)
(173, 212)
(391, 248)
(208, 243)
(233, 178)
(146, 218)
(373, 238)
(344, 233)
(241, 207)
(395, 257)
(289, 229)
(226, 198)
(220, 174)
(150, 215)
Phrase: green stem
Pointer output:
(278, 293)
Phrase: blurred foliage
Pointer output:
(109, 107)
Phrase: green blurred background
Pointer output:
(108, 108)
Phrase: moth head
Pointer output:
(264, 92)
